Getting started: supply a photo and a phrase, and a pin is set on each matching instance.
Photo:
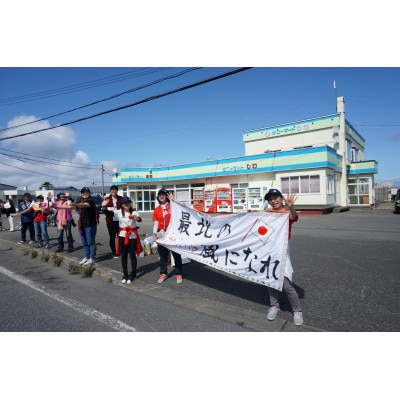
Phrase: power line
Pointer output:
(47, 175)
(36, 172)
(78, 87)
(151, 98)
(105, 99)
(47, 162)
(376, 125)
(41, 158)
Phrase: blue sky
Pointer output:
(207, 121)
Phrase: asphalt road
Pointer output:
(36, 296)
(346, 274)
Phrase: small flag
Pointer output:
(334, 84)
(262, 231)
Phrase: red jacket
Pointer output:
(38, 214)
(109, 217)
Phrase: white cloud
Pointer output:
(28, 161)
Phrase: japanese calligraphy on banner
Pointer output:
(252, 245)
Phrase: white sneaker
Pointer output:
(83, 261)
(163, 278)
(31, 242)
(298, 318)
(88, 262)
(273, 313)
(131, 279)
(123, 280)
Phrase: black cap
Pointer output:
(85, 189)
(272, 192)
(162, 191)
(126, 199)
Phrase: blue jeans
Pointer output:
(68, 234)
(41, 229)
(88, 237)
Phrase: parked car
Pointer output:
(98, 200)
(397, 202)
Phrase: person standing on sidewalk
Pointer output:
(87, 225)
(275, 200)
(161, 218)
(112, 203)
(40, 211)
(64, 218)
(26, 219)
(2, 211)
(128, 238)
(10, 211)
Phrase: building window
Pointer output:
(358, 189)
(301, 184)
(239, 185)
(354, 154)
(330, 184)
(348, 150)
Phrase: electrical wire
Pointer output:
(105, 99)
(151, 98)
(78, 87)
(41, 158)
(36, 172)
(48, 162)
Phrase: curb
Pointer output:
(251, 320)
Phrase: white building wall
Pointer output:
(293, 141)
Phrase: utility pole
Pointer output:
(102, 181)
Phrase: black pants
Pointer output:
(30, 227)
(163, 253)
(113, 233)
(129, 249)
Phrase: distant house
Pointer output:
(5, 188)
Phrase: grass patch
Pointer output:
(45, 256)
(56, 259)
(34, 253)
(88, 271)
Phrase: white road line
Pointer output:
(90, 312)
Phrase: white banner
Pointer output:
(252, 245)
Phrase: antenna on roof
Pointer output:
(334, 88)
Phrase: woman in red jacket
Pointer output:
(161, 218)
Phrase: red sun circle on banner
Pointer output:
(262, 230)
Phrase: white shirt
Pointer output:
(124, 221)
